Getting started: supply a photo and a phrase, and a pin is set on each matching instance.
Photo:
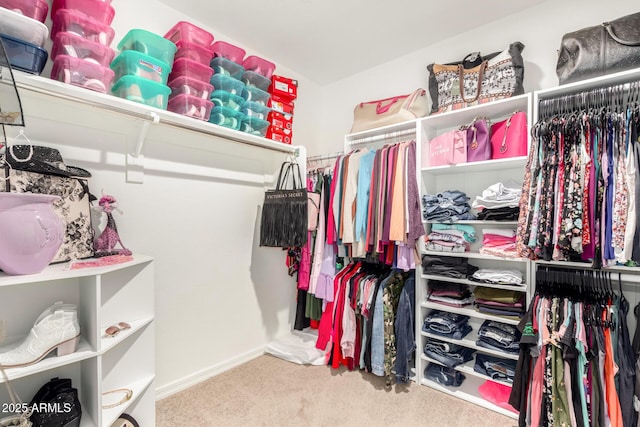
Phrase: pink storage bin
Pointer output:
(188, 32)
(184, 67)
(450, 148)
(71, 21)
(101, 11)
(191, 106)
(228, 51)
(259, 65)
(81, 73)
(194, 52)
(190, 86)
(35, 9)
(78, 47)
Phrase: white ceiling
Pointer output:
(327, 40)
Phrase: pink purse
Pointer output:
(449, 148)
(509, 137)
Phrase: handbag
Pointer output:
(478, 141)
(313, 210)
(594, 51)
(476, 79)
(383, 112)
(285, 220)
(38, 169)
(509, 137)
(61, 395)
(448, 149)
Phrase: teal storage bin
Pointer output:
(226, 83)
(254, 126)
(222, 98)
(254, 109)
(223, 116)
(134, 63)
(150, 44)
(142, 90)
(252, 93)
(223, 66)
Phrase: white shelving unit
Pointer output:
(104, 296)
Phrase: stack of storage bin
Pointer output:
(283, 92)
(189, 80)
(142, 68)
(24, 34)
(82, 37)
(257, 79)
(227, 95)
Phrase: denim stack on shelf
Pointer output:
(497, 277)
(497, 368)
(443, 375)
(450, 355)
(499, 336)
(502, 302)
(450, 238)
(499, 202)
(445, 324)
(451, 294)
(446, 266)
(448, 206)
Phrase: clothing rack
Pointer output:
(324, 157)
(384, 137)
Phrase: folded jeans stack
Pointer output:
(497, 277)
(451, 294)
(445, 324)
(499, 242)
(499, 336)
(502, 302)
(499, 202)
(446, 266)
(443, 375)
(496, 368)
(450, 355)
(448, 206)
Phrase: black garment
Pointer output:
(301, 321)
(499, 214)
(635, 256)
(626, 363)
(454, 267)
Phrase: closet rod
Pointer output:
(618, 94)
(368, 139)
(325, 156)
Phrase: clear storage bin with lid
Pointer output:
(23, 28)
(251, 78)
(151, 44)
(101, 11)
(190, 106)
(222, 98)
(228, 51)
(132, 62)
(70, 21)
(184, 67)
(226, 83)
(252, 93)
(253, 109)
(226, 67)
(144, 91)
(227, 117)
(193, 52)
(81, 73)
(24, 56)
(35, 9)
(254, 126)
(78, 47)
(190, 86)
(188, 32)
(259, 65)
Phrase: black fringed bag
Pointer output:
(284, 211)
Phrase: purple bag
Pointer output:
(478, 141)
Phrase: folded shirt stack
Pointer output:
(445, 324)
(502, 302)
(448, 354)
(499, 336)
(496, 368)
(451, 294)
(446, 266)
(497, 277)
(499, 202)
(499, 242)
(447, 241)
(443, 375)
(448, 206)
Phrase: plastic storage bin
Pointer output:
(101, 11)
(35, 9)
(78, 47)
(252, 93)
(143, 91)
(253, 109)
(71, 21)
(226, 67)
(81, 73)
(148, 43)
(132, 62)
(191, 87)
(226, 83)
(227, 117)
(188, 32)
(254, 126)
(251, 78)
(184, 67)
(222, 98)
(23, 28)
(24, 56)
(193, 52)
(191, 106)
(228, 51)
(259, 65)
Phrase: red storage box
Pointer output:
(75, 46)
(284, 87)
(35, 9)
(279, 120)
(279, 135)
(281, 105)
(101, 11)
(75, 22)
(193, 51)
(190, 33)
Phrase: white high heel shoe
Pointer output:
(57, 328)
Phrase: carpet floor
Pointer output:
(268, 391)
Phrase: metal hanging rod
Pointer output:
(386, 136)
(324, 156)
(618, 95)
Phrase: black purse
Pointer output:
(58, 405)
(594, 51)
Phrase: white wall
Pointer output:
(540, 29)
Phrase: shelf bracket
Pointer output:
(135, 158)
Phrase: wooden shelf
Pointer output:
(467, 368)
(471, 312)
(470, 341)
(519, 288)
(461, 168)
(138, 387)
(473, 255)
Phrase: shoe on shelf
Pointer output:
(57, 328)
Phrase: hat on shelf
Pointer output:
(45, 160)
